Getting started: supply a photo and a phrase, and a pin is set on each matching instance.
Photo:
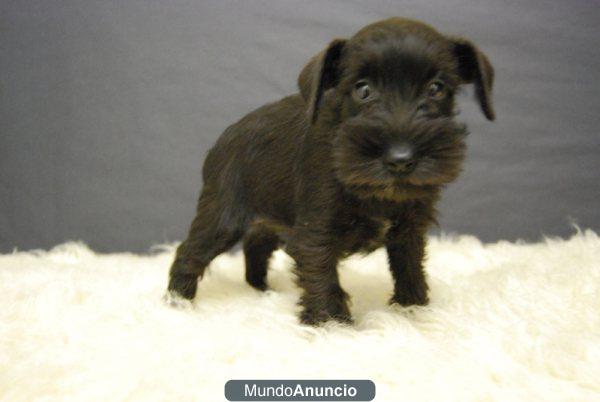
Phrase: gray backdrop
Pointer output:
(107, 109)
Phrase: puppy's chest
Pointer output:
(361, 234)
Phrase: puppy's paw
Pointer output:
(173, 299)
(315, 312)
(412, 297)
(259, 285)
(315, 321)
(183, 286)
(316, 317)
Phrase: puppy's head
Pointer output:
(386, 95)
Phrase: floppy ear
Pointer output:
(320, 74)
(474, 67)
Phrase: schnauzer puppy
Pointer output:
(354, 162)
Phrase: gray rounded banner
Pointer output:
(299, 390)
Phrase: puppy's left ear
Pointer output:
(320, 74)
(474, 67)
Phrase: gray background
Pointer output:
(107, 109)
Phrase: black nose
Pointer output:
(399, 159)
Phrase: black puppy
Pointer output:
(354, 162)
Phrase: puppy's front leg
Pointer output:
(316, 270)
(405, 255)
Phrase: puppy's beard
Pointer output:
(369, 180)
(430, 172)
(357, 155)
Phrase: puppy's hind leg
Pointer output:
(213, 231)
(259, 244)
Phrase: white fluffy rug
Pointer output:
(507, 322)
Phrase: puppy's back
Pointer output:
(254, 160)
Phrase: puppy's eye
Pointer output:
(436, 90)
(362, 91)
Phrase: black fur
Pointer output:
(327, 173)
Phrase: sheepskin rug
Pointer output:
(507, 322)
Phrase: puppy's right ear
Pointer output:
(320, 74)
